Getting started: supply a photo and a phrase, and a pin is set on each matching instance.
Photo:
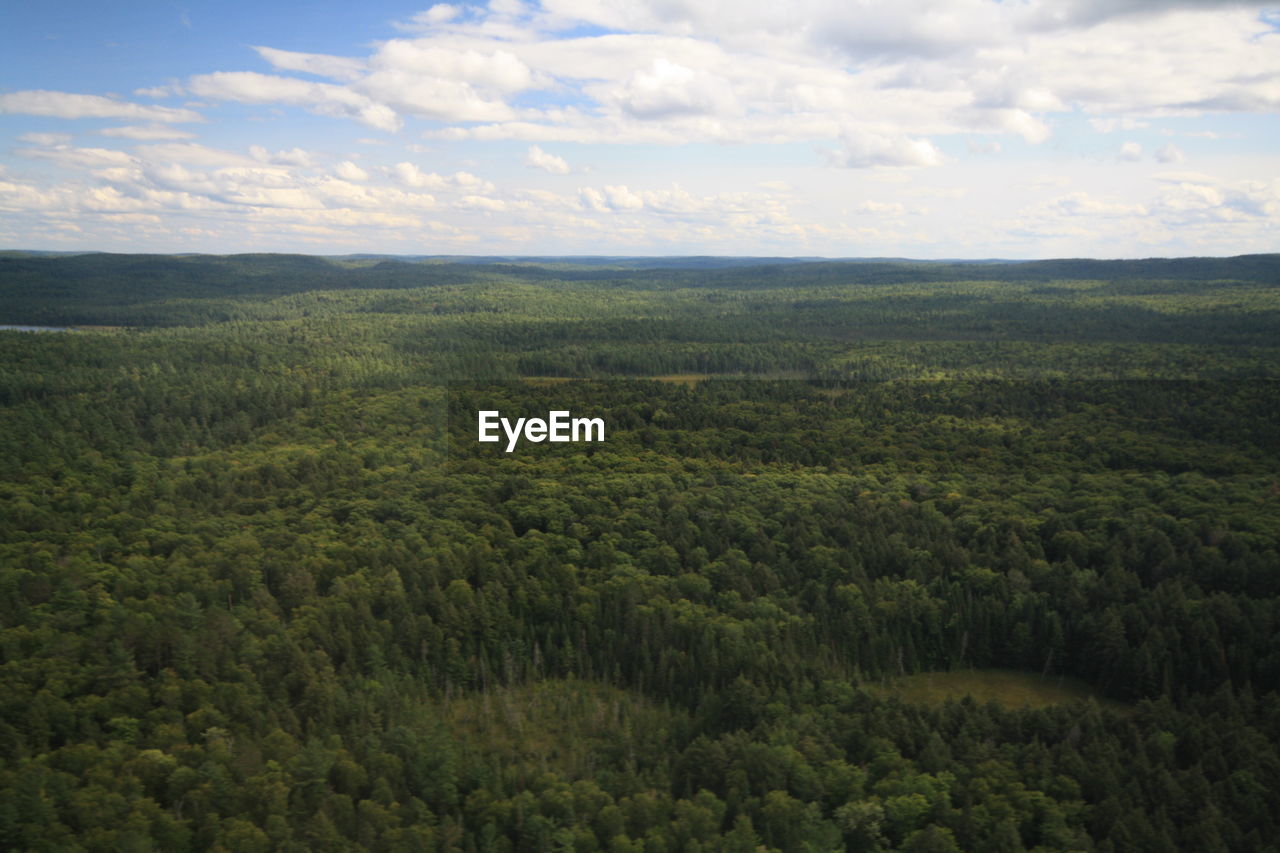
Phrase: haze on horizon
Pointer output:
(924, 129)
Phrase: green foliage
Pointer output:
(260, 588)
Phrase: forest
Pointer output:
(875, 555)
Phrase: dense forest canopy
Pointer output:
(262, 589)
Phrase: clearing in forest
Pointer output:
(1011, 688)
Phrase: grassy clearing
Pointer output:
(689, 380)
(567, 726)
(1010, 688)
(544, 381)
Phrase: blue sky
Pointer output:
(967, 128)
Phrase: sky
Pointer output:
(833, 128)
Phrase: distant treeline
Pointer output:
(95, 288)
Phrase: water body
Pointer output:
(7, 328)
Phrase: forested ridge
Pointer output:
(262, 589)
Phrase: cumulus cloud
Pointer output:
(1194, 208)
(862, 149)
(1192, 199)
(434, 97)
(539, 159)
(666, 88)
(183, 184)
(349, 171)
(614, 199)
(409, 175)
(40, 102)
(621, 198)
(675, 72)
(291, 157)
(443, 82)
(875, 87)
(496, 69)
(169, 180)
(677, 203)
(438, 14)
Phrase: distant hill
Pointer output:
(49, 288)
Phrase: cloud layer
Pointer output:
(917, 127)
(676, 72)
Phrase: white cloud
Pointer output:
(438, 14)
(676, 72)
(193, 154)
(1088, 13)
(146, 132)
(618, 198)
(40, 102)
(433, 97)
(441, 12)
(251, 87)
(892, 208)
(495, 69)
(350, 171)
(674, 203)
(1110, 125)
(336, 67)
(667, 88)
(466, 180)
(166, 90)
(443, 82)
(45, 138)
(1130, 151)
(477, 202)
(1194, 210)
(539, 159)
(80, 158)
(291, 157)
(410, 175)
(870, 85)
(611, 199)
(1083, 204)
(1170, 153)
(861, 149)
(1192, 199)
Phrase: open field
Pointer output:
(1010, 688)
